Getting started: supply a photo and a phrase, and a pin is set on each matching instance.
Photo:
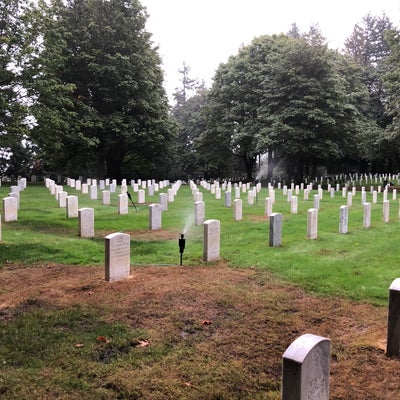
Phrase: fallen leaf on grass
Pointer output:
(103, 339)
(206, 322)
(79, 345)
(143, 343)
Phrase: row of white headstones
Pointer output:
(305, 363)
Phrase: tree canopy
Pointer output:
(82, 94)
(290, 96)
(100, 105)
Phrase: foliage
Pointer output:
(391, 80)
(14, 45)
(189, 101)
(369, 48)
(291, 96)
(98, 85)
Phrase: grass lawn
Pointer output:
(201, 331)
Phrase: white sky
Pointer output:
(204, 33)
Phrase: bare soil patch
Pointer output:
(241, 316)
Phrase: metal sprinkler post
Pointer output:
(181, 242)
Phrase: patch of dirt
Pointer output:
(245, 316)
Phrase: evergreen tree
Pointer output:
(189, 101)
(101, 108)
(14, 123)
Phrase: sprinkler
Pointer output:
(181, 243)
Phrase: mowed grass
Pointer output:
(203, 331)
(360, 264)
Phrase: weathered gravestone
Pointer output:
(211, 240)
(312, 223)
(343, 219)
(386, 211)
(199, 213)
(16, 195)
(85, 188)
(228, 199)
(62, 199)
(163, 200)
(393, 329)
(141, 196)
(86, 222)
(171, 195)
(268, 206)
(316, 201)
(72, 206)
(349, 199)
(367, 215)
(10, 209)
(305, 369)
(237, 209)
(105, 197)
(155, 215)
(117, 256)
(123, 204)
(93, 192)
(293, 205)
(275, 230)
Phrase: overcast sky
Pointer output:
(204, 33)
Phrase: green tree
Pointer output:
(392, 99)
(14, 124)
(288, 96)
(100, 105)
(369, 47)
(190, 98)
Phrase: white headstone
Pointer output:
(72, 206)
(155, 215)
(123, 204)
(10, 209)
(293, 205)
(62, 199)
(305, 369)
(86, 222)
(93, 192)
(393, 329)
(386, 211)
(312, 223)
(199, 213)
(343, 219)
(237, 209)
(211, 240)
(366, 215)
(268, 206)
(117, 256)
(163, 200)
(228, 199)
(141, 196)
(85, 188)
(105, 197)
(275, 229)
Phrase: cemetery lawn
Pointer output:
(195, 332)
(198, 331)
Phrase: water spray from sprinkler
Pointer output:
(130, 198)
(181, 243)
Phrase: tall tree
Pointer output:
(369, 47)
(189, 101)
(101, 107)
(288, 96)
(391, 81)
(14, 125)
